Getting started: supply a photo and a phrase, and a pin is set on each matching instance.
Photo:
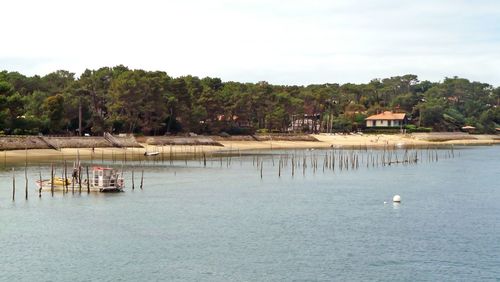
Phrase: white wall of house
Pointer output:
(383, 123)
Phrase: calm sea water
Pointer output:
(192, 223)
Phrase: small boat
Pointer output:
(103, 179)
(59, 184)
(150, 154)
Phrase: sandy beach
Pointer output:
(371, 141)
(231, 146)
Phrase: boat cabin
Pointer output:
(106, 179)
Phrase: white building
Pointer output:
(386, 119)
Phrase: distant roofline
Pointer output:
(387, 115)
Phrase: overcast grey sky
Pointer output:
(283, 42)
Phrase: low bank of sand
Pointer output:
(182, 151)
(416, 139)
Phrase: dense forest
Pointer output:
(119, 99)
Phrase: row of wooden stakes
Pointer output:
(76, 177)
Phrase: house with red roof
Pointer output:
(386, 119)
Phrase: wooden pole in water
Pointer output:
(40, 188)
(133, 186)
(62, 177)
(66, 176)
(142, 178)
(26, 178)
(170, 155)
(88, 180)
(52, 179)
(79, 178)
(73, 174)
(13, 184)
(73, 179)
(304, 165)
(26, 171)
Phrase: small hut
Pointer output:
(468, 128)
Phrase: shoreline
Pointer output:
(168, 152)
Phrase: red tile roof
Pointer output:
(387, 116)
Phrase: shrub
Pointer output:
(410, 128)
(262, 131)
(382, 130)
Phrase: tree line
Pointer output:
(122, 100)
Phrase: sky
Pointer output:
(293, 42)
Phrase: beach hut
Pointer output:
(468, 128)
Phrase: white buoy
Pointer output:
(396, 199)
